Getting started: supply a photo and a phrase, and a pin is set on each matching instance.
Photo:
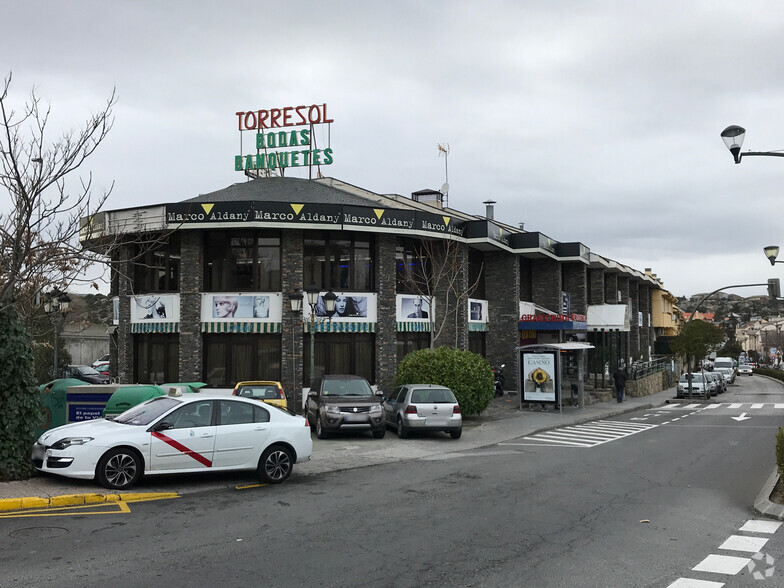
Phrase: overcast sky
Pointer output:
(589, 121)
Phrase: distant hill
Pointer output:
(733, 306)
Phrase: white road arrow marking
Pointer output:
(740, 418)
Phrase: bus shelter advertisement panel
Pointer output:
(539, 377)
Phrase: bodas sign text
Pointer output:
(276, 131)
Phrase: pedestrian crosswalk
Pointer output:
(585, 435)
(725, 405)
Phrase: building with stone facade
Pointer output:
(210, 299)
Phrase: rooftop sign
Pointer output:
(276, 131)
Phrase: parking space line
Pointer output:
(722, 564)
(758, 526)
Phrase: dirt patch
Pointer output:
(777, 496)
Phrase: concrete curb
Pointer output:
(28, 502)
(763, 505)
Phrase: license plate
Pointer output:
(38, 452)
(435, 423)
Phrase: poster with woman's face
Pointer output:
(345, 307)
(261, 307)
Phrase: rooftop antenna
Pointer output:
(443, 148)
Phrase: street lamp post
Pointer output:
(733, 137)
(56, 307)
(312, 292)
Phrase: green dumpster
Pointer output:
(184, 387)
(54, 403)
(127, 396)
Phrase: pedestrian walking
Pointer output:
(620, 383)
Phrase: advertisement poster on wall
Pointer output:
(477, 311)
(349, 307)
(414, 308)
(259, 307)
(155, 308)
(539, 376)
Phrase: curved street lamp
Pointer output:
(733, 137)
(772, 252)
(56, 307)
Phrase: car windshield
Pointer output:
(86, 370)
(695, 378)
(143, 414)
(347, 388)
(434, 395)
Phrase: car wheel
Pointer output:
(380, 433)
(456, 433)
(119, 469)
(320, 432)
(402, 431)
(275, 464)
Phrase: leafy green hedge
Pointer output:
(467, 374)
(19, 401)
(776, 374)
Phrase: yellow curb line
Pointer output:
(79, 499)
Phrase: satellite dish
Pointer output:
(445, 188)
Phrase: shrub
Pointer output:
(19, 399)
(467, 374)
(780, 450)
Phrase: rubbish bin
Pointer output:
(127, 396)
(53, 403)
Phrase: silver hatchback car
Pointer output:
(423, 407)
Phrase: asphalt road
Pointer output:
(639, 500)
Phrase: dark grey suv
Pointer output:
(344, 403)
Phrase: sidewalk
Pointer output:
(502, 421)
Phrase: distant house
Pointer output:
(708, 317)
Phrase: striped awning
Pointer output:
(239, 327)
(155, 327)
(335, 327)
(413, 327)
(478, 327)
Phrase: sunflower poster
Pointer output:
(539, 377)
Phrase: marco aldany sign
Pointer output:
(281, 139)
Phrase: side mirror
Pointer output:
(163, 426)
(312, 394)
(380, 394)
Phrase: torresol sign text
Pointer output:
(275, 129)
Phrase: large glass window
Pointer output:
(337, 353)
(476, 343)
(157, 268)
(157, 358)
(413, 267)
(476, 273)
(231, 358)
(408, 342)
(242, 261)
(337, 261)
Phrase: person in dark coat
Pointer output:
(620, 383)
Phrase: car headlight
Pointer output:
(375, 409)
(68, 441)
(332, 409)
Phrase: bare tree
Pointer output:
(39, 233)
(437, 269)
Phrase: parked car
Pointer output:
(720, 384)
(86, 373)
(344, 403)
(700, 386)
(423, 407)
(168, 434)
(267, 391)
(745, 369)
(103, 359)
(729, 374)
(103, 368)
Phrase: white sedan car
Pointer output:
(746, 369)
(170, 434)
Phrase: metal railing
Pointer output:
(641, 369)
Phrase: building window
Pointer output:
(476, 343)
(350, 353)
(157, 269)
(242, 261)
(408, 342)
(413, 267)
(476, 273)
(231, 358)
(157, 358)
(337, 261)
(526, 280)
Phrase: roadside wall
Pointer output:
(648, 385)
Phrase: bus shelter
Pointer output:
(543, 374)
